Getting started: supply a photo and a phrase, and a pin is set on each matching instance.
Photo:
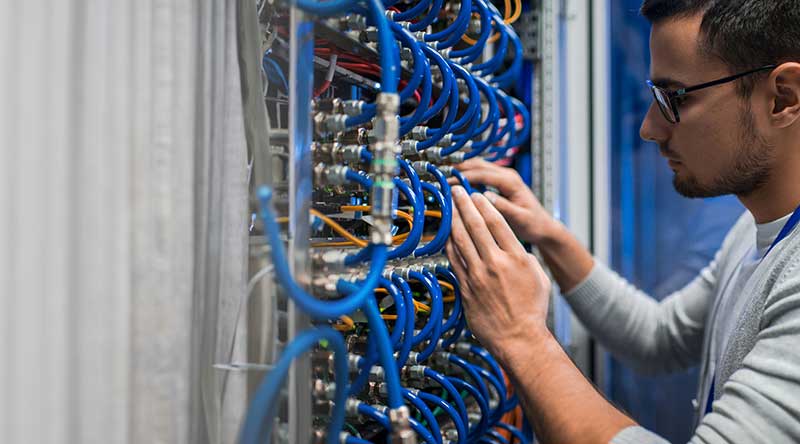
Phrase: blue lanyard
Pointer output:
(791, 224)
(787, 229)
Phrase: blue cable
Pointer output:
(412, 12)
(382, 342)
(500, 438)
(492, 363)
(517, 433)
(400, 303)
(448, 82)
(474, 103)
(436, 134)
(262, 408)
(448, 408)
(462, 180)
(429, 18)
(470, 53)
(496, 61)
(451, 390)
(473, 374)
(493, 119)
(445, 200)
(523, 135)
(433, 328)
(383, 420)
(426, 413)
(498, 411)
(459, 27)
(350, 439)
(506, 79)
(456, 313)
(415, 235)
(408, 334)
(277, 69)
(480, 428)
(313, 307)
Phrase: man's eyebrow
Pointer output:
(666, 82)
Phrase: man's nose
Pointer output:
(655, 126)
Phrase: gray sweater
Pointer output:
(757, 388)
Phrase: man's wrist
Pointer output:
(519, 341)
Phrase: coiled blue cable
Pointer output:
(457, 28)
(480, 428)
(429, 18)
(350, 439)
(448, 82)
(496, 61)
(312, 306)
(400, 303)
(413, 11)
(449, 277)
(498, 411)
(507, 78)
(380, 334)
(451, 390)
(426, 413)
(445, 200)
(462, 180)
(496, 436)
(470, 53)
(408, 334)
(461, 429)
(433, 328)
(258, 423)
(415, 235)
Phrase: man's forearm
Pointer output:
(569, 261)
(562, 405)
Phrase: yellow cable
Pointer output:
(339, 229)
(447, 285)
(517, 12)
(347, 324)
(507, 19)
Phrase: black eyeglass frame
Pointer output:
(673, 95)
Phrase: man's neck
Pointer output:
(778, 197)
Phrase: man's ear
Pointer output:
(784, 86)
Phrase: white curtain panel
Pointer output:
(123, 220)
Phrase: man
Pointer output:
(740, 318)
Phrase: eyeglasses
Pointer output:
(668, 100)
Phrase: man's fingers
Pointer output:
(498, 227)
(501, 178)
(462, 239)
(507, 208)
(475, 225)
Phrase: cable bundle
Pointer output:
(386, 304)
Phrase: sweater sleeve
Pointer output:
(648, 335)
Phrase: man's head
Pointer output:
(731, 138)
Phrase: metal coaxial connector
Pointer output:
(401, 427)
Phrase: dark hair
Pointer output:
(744, 34)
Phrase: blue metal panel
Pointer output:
(659, 239)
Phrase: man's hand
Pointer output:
(517, 203)
(568, 260)
(505, 294)
(505, 290)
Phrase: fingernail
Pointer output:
(458, 190)
(491, 196)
